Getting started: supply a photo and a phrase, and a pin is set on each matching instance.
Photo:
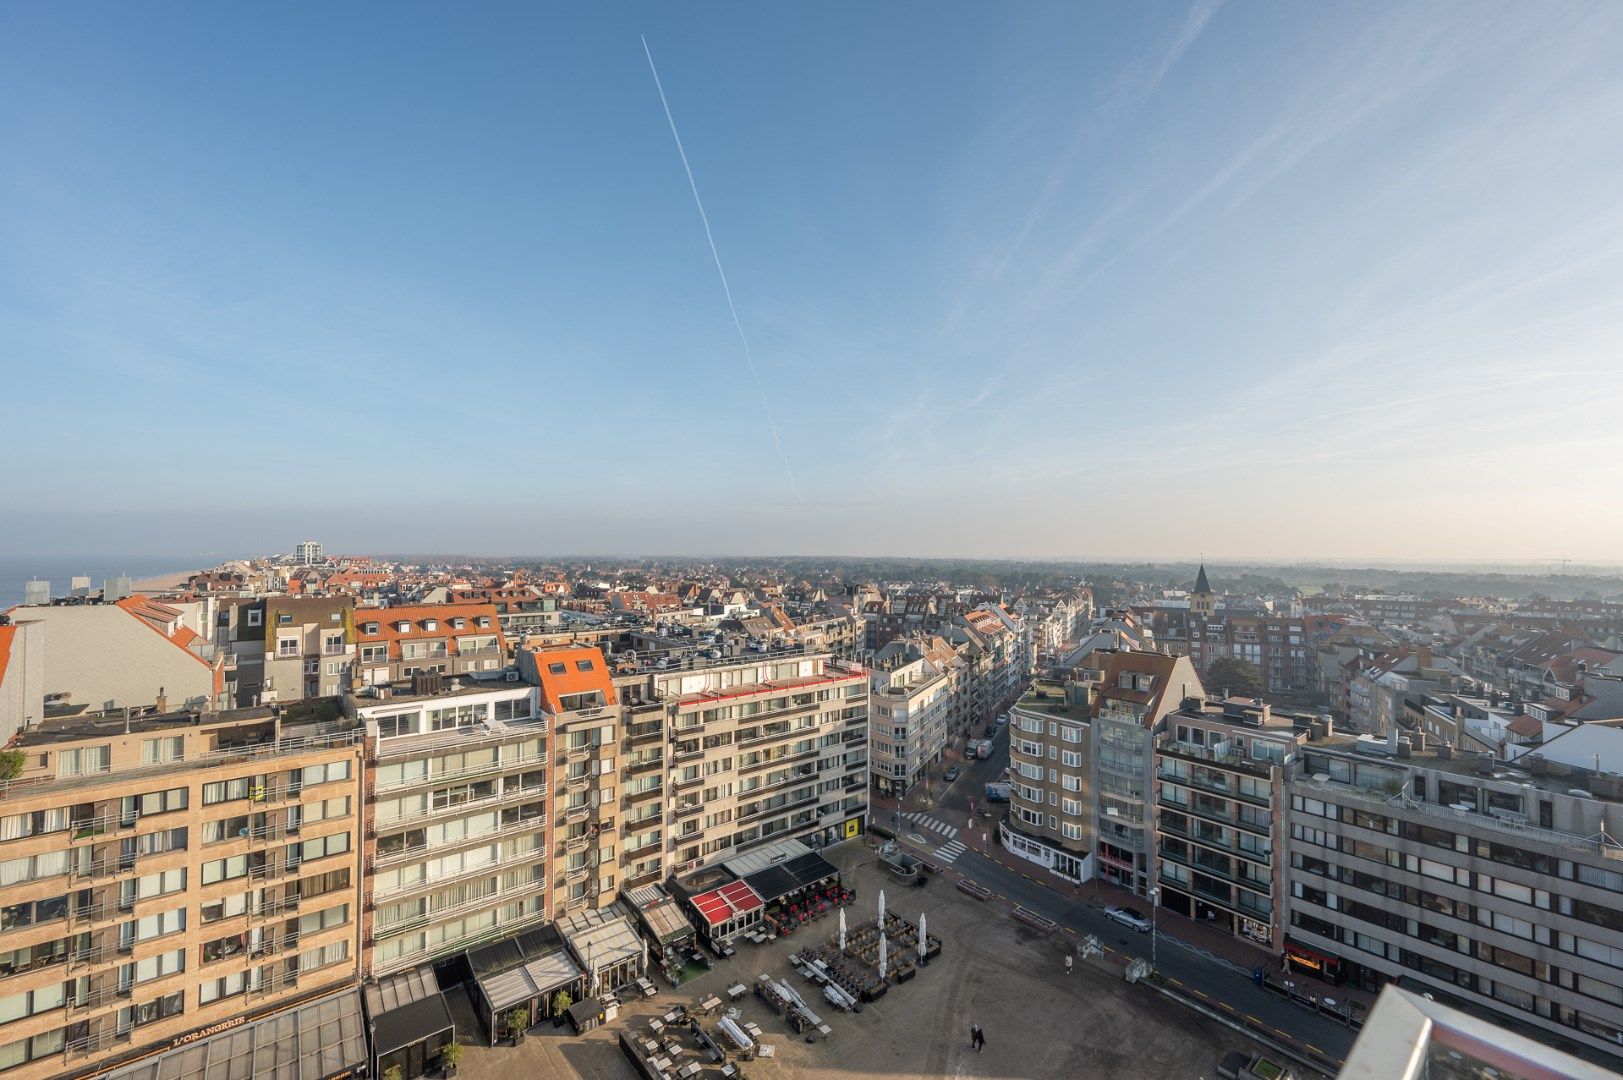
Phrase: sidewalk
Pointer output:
(983, 840)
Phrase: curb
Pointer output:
(1326, 1066)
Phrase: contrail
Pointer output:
(749, 356)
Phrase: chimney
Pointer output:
(162, 702)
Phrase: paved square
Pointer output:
(1039, 1021)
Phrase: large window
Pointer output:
(84, 761)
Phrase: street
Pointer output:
(1215, 979)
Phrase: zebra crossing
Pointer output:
(949, 851)
(925, 821)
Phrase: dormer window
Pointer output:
(431, 624)
(371, 628)
(483, 622)
(457, 624)
(402, 626)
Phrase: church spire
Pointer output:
(1201, 584)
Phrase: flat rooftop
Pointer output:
(1048, 697)
(1465, 765)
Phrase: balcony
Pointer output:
(641, 734)
(634, 854)
(785, 759)
(637, 768)
(1212, 867)
(511, 765)
(634, 798)
(1202, 784)
(687, 783)
(688, 809)
(1516, 831)
(780, 808)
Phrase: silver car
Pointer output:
(1128, 917)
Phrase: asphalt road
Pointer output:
(1213, 978)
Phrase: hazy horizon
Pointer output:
(1016, 280)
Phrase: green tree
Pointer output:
(1239, 677)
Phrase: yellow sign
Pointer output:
(853, 827)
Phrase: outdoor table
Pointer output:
(766, 1051)
(670, 1017)
(736, 991)
(711, 1002)
(662, 1064)
(656, 1025)
(650, 1046)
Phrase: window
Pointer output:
(256, 617)
(399, 724)
(323, 846)
(228, 790)
(325, 774)
(324, 920)
(225, 869)
(151, 1012)
(284, 619)
(371, 628)
(85, 761)
(153, 967)
(324, 956)
(162, 751)
(555, 669)
(287, 646)
(583, 665)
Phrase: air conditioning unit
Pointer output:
(511, 676)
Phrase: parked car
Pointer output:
(1004, 719)
(953, 773)
(1128, 917)
(991, 729)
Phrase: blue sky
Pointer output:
(1146, 279)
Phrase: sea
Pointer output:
(59, 570)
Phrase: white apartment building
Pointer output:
(910, 719)
(458, 819)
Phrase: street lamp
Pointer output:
(1155, 904)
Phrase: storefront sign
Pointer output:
(212, 1029)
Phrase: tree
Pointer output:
(561, 1002)
(11, 764)
(394, 1072)
(451, 1056)
(1238, 677)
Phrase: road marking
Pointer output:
(1315, 1049)
(948, 853)
(1253, 1019)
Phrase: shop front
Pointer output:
(409, 1022)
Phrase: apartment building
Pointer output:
(1134, 693)
(1051, 804)
(1495, 887)
(459, 817)
(284, 649)
(1220, 817)
(579, 701)
(910, 713)
(760, 748)
(449, 639)
(168, 874)
(521, 609)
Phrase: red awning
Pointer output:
(726, 903)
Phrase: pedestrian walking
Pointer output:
(974, 1034)
(980, 1040)
(1067, 963)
